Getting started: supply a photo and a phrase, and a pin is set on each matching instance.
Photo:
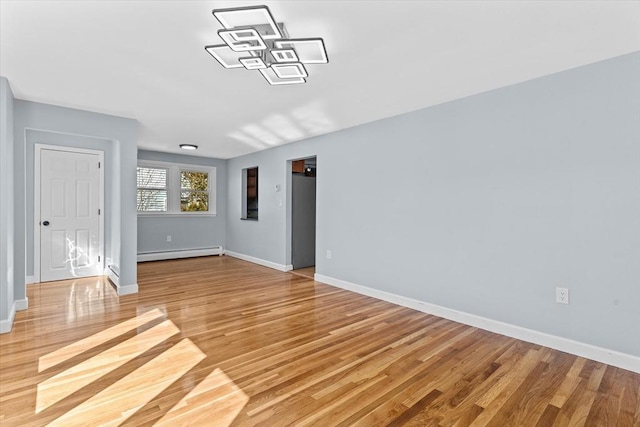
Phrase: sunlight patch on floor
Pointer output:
(73, 379)
(119, 401)
(65, 353)
(217, 400)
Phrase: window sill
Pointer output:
(175, 215)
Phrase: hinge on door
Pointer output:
(98, 165)
(98, 258)
(98, 211)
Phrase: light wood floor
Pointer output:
(308, 272)
(218, 341)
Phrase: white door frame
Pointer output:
(36, 202)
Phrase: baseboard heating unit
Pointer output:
(185, 253)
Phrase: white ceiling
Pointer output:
(146, 60)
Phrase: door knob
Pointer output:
(45, 223)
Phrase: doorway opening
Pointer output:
(303, 216)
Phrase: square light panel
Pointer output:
(255, 41)
(249, 17)
(253, 63)
(309, 51)
(284, 55)
(225, 56)
(242, 40)
(289, 71)
(273, 79)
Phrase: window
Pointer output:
(194, 191)
(152, 189)
(174, 189)
(250, 193)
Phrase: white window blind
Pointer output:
(152, 189)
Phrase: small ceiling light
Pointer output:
(253, 63)
(225, 56)
(274, 80)
(310, 51)
(188, 147)
(290, 70)
(284, 55)
(255, 41)
(243, 40)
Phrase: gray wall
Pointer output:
(483, 205)
(117, 137)
(7, 241)
(195, 232)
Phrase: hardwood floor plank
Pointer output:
(77, 347)
(216, 398)
(71, 380)
(420, 406)
(252, 346)
(569, 383)
(548, 416)
(119, 401)
(533, 399)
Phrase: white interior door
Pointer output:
(70, 194)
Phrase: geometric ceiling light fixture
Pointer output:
(255, 41)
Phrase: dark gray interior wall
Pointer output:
(484, 205)
(303, 221)
(117, 136)
(196, 232)
(7, 238)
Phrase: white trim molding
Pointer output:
(127, 289)
(173, 188)
(22, 304)
(114, 278)
(265, 263)
(186, 253)
(599, 354)
(7, 324)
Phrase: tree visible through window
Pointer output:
(176, 189)
(152, 190)
(194, 191)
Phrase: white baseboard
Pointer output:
(22, 304)
(128, 289)
(187, 253)
(112, 273)
(599, 354)
(29, 280)
(265, 263)
(7, 324)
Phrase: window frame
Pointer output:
(174, 171)
(245, 216)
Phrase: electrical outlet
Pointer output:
(168, 238)
(329, 254)
(562, 295)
